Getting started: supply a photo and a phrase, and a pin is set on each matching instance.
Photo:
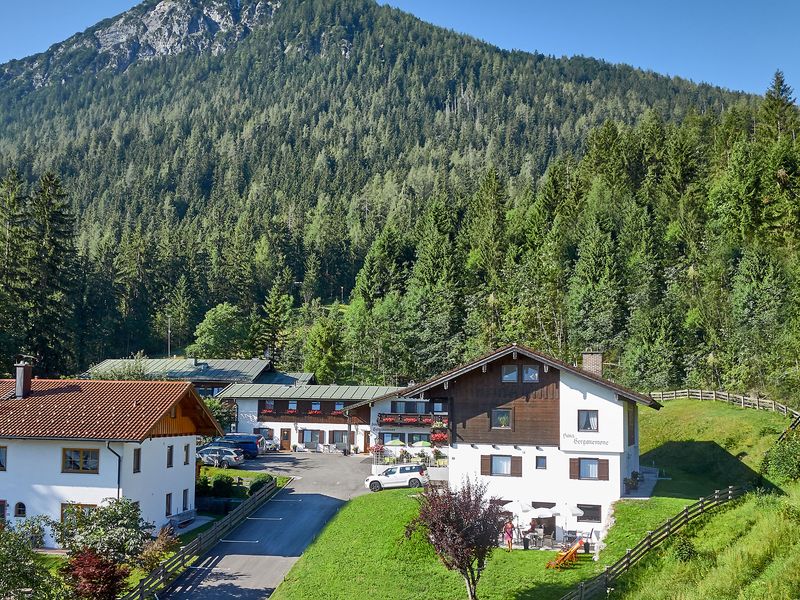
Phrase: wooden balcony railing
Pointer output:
(411, 420)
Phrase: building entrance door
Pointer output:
(286, 439)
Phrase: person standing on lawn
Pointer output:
(508, 534)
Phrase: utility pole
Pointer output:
(169, 336)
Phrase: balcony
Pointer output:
(410, 420)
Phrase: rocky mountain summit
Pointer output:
(152, 29)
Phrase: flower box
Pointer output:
(337, 413)
(409, 419)
(291, 411)
(427, 420)
(388, 420)
(267, 412)
(314, 412)
(439, 438)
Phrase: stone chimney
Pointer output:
(592, 362)
(23, 372)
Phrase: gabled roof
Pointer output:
(82, 409)
(306, 392)
(187, 369)
(419, 388)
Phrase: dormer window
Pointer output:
(509, 374)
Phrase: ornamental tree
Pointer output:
(115, 530)
(462, 525)
(21, 568)
(95, 577)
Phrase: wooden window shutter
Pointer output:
(574, 468)
(516, 466)
(602, 469)
(321, 436)
(486, 464)
(352, 437)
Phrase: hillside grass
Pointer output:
(363, 553)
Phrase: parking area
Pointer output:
(251, 562)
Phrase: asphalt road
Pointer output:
(253, 559)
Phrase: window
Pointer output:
(418, 437)
(501, 465)
(186, 454)
(439, 406)
(409, 407)
(80, 460)
(530, 373)
(316, 406)
(173, 412)
(2, 512)
(501, 418)
(169, 505)
(339, 437)
(338, 406)
(392, 471)
(69, 507)
(292, 404)
(509, 374)
(20, 510)
(267, 405)
(185, 500)
(387, 437)
(3, 457)
(310, 436)
(170, 452)
(587, 420)
(137, 460)
(592, 513)
(631, 424)
(589, 468)
(541, 462)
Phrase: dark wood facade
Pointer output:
(472, 396)
(185, 418)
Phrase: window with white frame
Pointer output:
(501, 465)
(3, 457)
(439, 406)
(338, 406)
(509, 374)
(413, 438)
(339, 437)
(530, 373)
(292, 404)
(589, 468)
(388, 436)
(587, 420)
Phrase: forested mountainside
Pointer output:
(453, 195)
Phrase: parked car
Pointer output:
(261, 443)
(412, 476)
(217, 456)
(246, 442)
(222, 443)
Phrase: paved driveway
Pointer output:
(253, 559)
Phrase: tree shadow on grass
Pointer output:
(698, 468)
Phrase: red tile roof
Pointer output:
(90, 409)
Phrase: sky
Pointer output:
(735, 43)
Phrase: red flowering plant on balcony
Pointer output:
(427, 420)
(314, 412)
(291, 411)
(377, 449)
(388, 419)
(337, 413)
(410, 419)
(439, 439)
(267, 412)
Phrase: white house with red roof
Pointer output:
(83, 441)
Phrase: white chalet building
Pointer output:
(535, 429)
(83, 441)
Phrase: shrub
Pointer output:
(258, 482)
(203, 486)
(95, 577)
(683, 548)
(222, 486)
(783, 459)
(156, 549)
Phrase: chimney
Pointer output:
(23, 371)
(193, 361)
(592, 362)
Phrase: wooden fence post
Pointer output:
(627, 559)
(686, 514)
(581, 591)
(605, 576)
(702, 505)
(714, 395)
(649, 540)
(730, 492)
(669, 526)
(141, 589)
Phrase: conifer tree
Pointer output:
(778, 116)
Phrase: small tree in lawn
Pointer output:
(95, 577)
(462, 525)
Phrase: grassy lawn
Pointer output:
(363, 553)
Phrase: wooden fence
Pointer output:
(168, 571)
(598, 586)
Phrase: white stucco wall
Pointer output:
(541, 485)
(34, 477)
(577, 393)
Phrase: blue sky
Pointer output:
(735, 44)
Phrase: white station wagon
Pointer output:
(412, 476)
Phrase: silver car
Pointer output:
(412, 476)
(218, 456)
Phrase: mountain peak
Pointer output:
(149, 30)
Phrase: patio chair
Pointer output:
(566, 558)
